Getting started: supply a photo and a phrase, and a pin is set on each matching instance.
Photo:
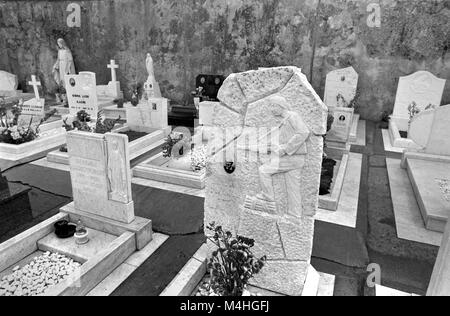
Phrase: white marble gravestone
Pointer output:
(342, 125)
(82, 93)
(112, 90)
(428, 165)
(431, 131)
(206, 113)
(34, 107)
(340, 87)
(101, 175)
(423, 88)
(8, 84)
(282, 222)
(148, 114)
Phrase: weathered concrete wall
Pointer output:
(188, 37)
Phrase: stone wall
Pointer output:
(188, 37)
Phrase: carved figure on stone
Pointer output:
(290, 154)
(117, 177)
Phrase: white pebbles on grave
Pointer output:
(38, 276)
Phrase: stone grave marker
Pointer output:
(430, 130)
(206, 113)
(8, 84)
(340, 87)
(423, 88)
(82, 93)
(271, 198)
(101, 175)
(428, 165)
(210, 86)
(149, 114)
(342, 125)
(34, 107)
(113, 88)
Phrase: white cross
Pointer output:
(35, 85)
(113, 66)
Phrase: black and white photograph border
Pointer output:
(254, 150)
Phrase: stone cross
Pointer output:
(113, 66)
(35, 85)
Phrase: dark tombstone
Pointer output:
(206, 89)
(210, 85)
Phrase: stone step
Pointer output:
(428, 179)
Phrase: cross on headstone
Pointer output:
(35, 85)
(113, 66)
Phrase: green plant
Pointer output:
(233, 264)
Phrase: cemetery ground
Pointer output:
(341, 251)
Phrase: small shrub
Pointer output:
(233, 264)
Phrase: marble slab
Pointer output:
(97, 242)
(408, 218)
(121, 273)
(430, 181)
(156, 169)
(358, 133)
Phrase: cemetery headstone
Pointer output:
(340, 88)
(422, 88)
(342, 124)
(149, 114)
(430, 130)
(210, 86)
(34, 107)
(101, 175)
(271, 195)
(82, 93)
(113, 88)
(8, 84)
(206, 113)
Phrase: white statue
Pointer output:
(63, 66)
(150, 68)
(151, 87)
(290, 151)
